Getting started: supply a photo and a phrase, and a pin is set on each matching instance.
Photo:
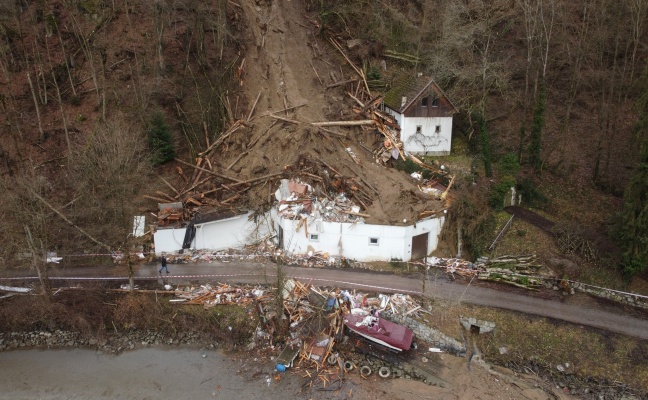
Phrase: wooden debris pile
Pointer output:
(304, 205)
(206, 185)
(189, 256)
(209, 296)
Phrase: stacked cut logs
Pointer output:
(521, 271)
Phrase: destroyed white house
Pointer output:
(301, 223)
(335, 228)
(424, 114)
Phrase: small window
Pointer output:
(419, 129)
(373, 241)
(424, 102)
(437, 129)
(435, 102)
(314, 238)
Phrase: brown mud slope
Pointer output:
(288, 65)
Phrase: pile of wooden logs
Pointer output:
(521, 271)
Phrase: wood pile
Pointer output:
(209, 296)
(521, 270)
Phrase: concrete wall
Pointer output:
(428, 142)
(354, 240)
(430, 335)
(223, 234)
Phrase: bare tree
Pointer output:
(111, 173)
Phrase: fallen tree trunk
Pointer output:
(344, 123)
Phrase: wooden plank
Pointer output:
(253, 107)
(292, 121)
(336, 84)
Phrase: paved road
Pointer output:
(249, 272)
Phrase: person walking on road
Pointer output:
(164, 266)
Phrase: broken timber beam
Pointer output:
(344, 123)
(292, 121)
(169, 185)
(222, 137)
(336, 84)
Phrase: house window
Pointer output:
(435, 102)
(419, 129)
(424, 102)
(314, 238)
(437, 129)
(373, 241)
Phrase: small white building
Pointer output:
(424, 114)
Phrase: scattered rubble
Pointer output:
(307, 332)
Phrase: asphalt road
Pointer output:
(585, 313)
(439, 288)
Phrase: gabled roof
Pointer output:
(411, 87)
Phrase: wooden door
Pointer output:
(419, 246)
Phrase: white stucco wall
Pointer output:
(353, 241)
(168, 240)
(428, 142)
(229, 233)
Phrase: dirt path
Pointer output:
(534, 219)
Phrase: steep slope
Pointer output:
(288, 66)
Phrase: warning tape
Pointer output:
(77, 278)
(305, 279)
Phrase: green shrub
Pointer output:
(160, 140)
(508, 165)
(373, 74)
(499, 190)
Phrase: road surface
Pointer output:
(591, 314)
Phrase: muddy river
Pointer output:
(177, 373)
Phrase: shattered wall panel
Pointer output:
(168, 240)
(229, 233)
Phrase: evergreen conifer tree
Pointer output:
(160, 140)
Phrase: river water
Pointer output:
(193, 374)
(147, 373)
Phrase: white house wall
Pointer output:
(228, 233)
(428, 142)
(168, 240)
(353, 241)
(223, 234)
